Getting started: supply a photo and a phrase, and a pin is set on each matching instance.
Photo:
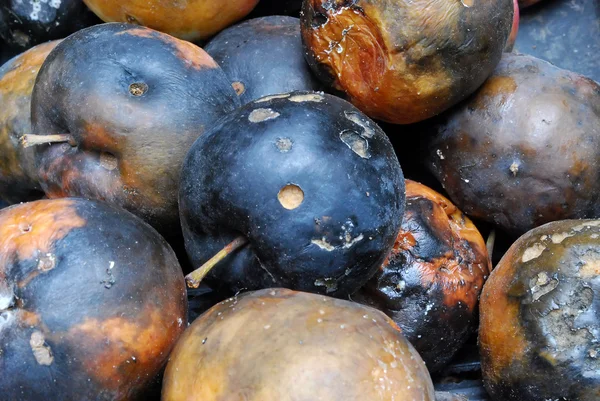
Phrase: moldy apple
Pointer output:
(24, 24)
(307, 180)
(539, 333)
(123, 104)
(92, 300)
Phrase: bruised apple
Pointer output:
(92, 300)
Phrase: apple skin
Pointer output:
(540, 316)
(263, 56)
(134, 100)
(92, 300)
(404, 61)
(190, 20)
(282, 345)
(431, 282)
(352, 199)
(18, 178)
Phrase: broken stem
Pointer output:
(29, 140)
(194, 278)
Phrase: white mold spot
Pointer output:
(309, 97)
(260, 115)
(41, 350)
(533, 252)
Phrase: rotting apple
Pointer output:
(92, 300)
(18, 178)
(525, 149)
(405, 61)
(120, 106)
(262, 57)
(282, 345)
(539, 334)
(189, 20)
(431, 282)
(304, 183)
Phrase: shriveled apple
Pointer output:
(431, 281)
(525, 149)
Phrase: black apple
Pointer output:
(307, 180)
(263, 56)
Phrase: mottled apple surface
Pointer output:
(133, 100)
(92, 300)
(525, 149)
(431, 281)
(18, 181)
(263, 56)
(281, 345)
(540, 316)
(404, 61)
(312, 184)
(189, 19)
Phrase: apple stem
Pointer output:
(489, 244)
(194, 278)
(29, 140)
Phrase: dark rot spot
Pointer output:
(239, 88)
(138, 88)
